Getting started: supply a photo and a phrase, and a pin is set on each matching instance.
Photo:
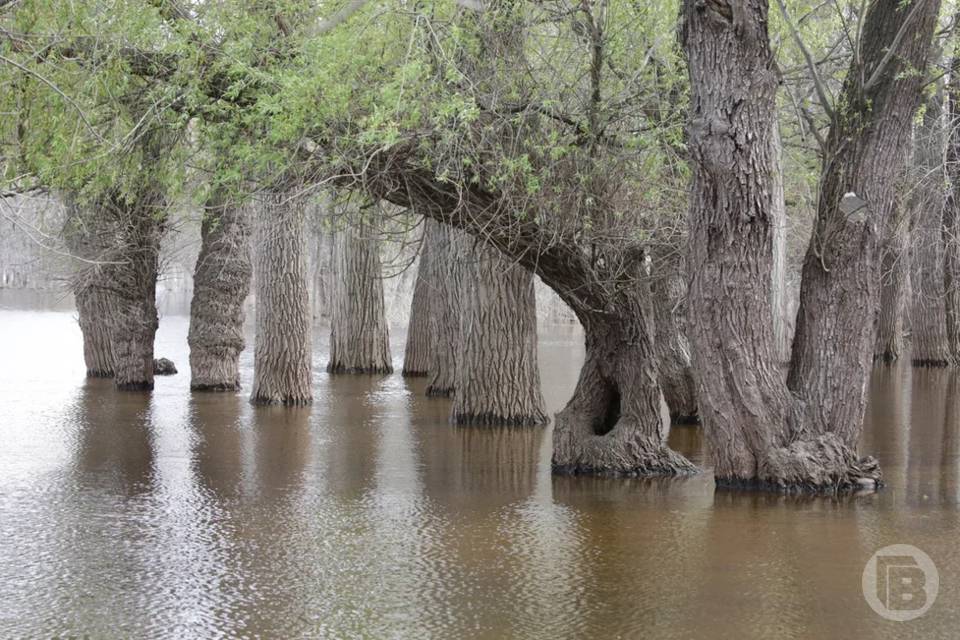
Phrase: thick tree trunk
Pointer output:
(951, 217)
(778, 291)
(416, 355)
(282, 356)
(221, 283)
(762, 433)
(866, 149)
(928, 322)
(497, 379)
(672, 350)
(894, 285)
(612, 425)
(95, 306)
(445, 255)
(359, 336)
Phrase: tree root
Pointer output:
(623, 452)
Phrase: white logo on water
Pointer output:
(900, 582)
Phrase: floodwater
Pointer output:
(171, 515)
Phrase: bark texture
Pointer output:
(951, 217)
(866, 149)
(416, 354)
(761, 432)
(928, 321)
(94, 307)
(894, 286)
(282, 356)
(359, 336)
(221, 283)
(671, 347)
(778, 291)
(497, 379)
(445, 254)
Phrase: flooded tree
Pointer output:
(359, 335)
(497, 377)
(283, 350)
(446, 246)
(802, 434)
(416, 354)
(221, 283)
(951, 216)
(895, 262)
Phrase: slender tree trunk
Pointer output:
(497, 379)
(416, 356)
(894, 284)
(445, 256)
(951, 216)
(359, 336)
(221, 283)
(282, 357)
(866, 149)
(672, 350)
(778, 292)
(928, 319)
(94, 307)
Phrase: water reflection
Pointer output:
(197, 515)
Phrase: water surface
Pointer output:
(171, 515)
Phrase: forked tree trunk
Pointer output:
(894, 284)
(928, 320)
(95, 305)
(445, 256)
(359, 336)
(282, 356)
(497, 378)
(416, 354)
(221, 283)
(667, 299)
(762, 433)
(612, 425)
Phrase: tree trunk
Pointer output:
(866, 149)
(445, 256)
(951, 217)
(762, 433)
(221, 283)
(95, 305)
(359, 337)
(282, 356)
(672, 350)
(416, 355)
(778, 292)
(928, 320)
(894, 284)
(497, 379)
(612, 425)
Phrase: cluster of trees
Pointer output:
(661, 166)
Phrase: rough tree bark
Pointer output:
(951, 217)
(94, 307)
(359, 336)
(671, 347)
(221, 283)
(282, 356)
(416, 354)
(497, 379)
(444, 308)
(762, 433)
(928, 321)
(894, 285)
(866, 149)
(778, 292)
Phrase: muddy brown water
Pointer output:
(171, 515)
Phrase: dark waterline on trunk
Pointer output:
(178, 515)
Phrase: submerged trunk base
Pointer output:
(217, 387)
(624, 452)
(336, 368)
(932, 363)
(497, 420)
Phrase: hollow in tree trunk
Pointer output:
(416, 354)
(445, 255)
(282, 355)
(221, 283)
(497, 379)
(359, 336)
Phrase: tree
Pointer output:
(359, 335)
(497, 378)
(416, 355)
(446, 247)
(800, 435)
(282, 355)
(221, 283)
